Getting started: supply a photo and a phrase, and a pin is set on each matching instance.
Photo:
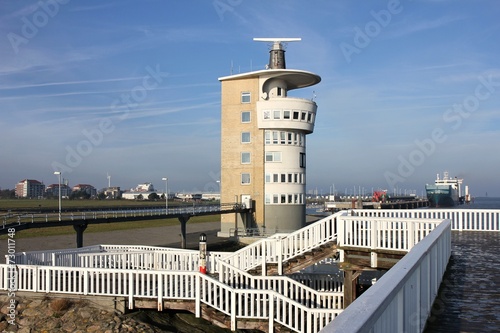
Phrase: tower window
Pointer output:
(279, 91)
(245, 178)
(273, 156)
(245, 97)
(275, 198)
(245, 137)
(295, 115)
(302, 161)
(245, 158)
(286, 114)
(245, 116)
(277, 114)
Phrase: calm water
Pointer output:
(469, 297)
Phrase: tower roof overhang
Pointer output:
(293, 77)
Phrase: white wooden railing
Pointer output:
(395, 233)
(461, 219)
(142, 272)
(160, 285)
(401, 300)
(279, 249)
(120, 257)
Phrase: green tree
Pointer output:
(153, 196)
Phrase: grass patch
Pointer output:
(60, 304)
(35, 204)
(104, 227)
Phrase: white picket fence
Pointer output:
(461, 219)
(402, 299)
(148, 272)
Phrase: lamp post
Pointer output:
(58, 173)
(218, 182)
(166, 194)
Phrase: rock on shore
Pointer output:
(52, 315)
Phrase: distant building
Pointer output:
(142, 191)
(113, 192)
(89, 189)
(145, 187)
(210, 196)
(52, 190)
(189, 196)
(30, 188)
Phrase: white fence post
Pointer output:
(279, 250)
(130, 291)
(160, 292)
(271, 313)
(411, 235)
(197, 299)
(233, 310)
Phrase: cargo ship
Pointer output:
(445, 192)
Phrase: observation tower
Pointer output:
(263, 144)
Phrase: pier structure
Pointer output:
(18, 221)
(263, 144)
(261, 286)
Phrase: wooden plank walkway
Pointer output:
(469, 297)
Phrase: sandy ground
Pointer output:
(169, 236)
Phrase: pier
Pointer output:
(335, 206)
(260, 286)
(80, 220)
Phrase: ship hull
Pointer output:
(441, 196)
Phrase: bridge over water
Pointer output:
(261, 286)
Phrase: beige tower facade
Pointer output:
(263, 146)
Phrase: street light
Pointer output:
(218, 182)
(58, 173)
(166, 194)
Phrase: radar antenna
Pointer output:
(277, 52)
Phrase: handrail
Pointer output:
(461, 219)
(160, 285)
(390, 233)
(26, 218)
(402, 299)
(279, 299)
(280, 249)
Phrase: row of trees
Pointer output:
(7, 194)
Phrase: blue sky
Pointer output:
(409, 89)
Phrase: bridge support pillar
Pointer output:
(79, 228)
(350, 286)
(183, 220)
